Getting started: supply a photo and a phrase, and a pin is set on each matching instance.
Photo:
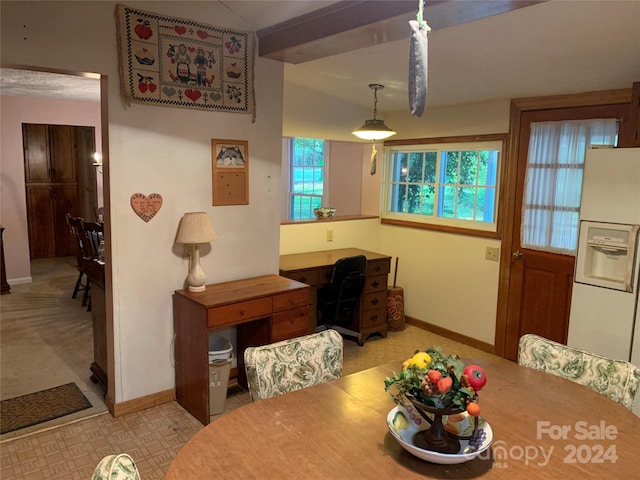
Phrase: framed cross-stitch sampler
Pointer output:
(230, 172)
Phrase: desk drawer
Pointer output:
(371, 318)
(378, 267)
(285, 301)
(238, 312)
(290, 324)
(375, 284)
(316, 276)
(374, 300)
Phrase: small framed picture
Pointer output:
(230, 172)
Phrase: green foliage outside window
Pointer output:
(307, 167)
(455, 184)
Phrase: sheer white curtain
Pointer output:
(553, 181)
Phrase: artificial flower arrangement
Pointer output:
(438, 380)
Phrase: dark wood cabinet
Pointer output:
(52, 186)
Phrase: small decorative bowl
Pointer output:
(324, 212)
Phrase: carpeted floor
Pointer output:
(46, 339)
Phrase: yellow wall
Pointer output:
(446, 279)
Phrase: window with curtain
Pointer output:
(553, 181)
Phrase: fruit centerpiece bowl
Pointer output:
(438, 385)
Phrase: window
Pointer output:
(444, 184)
(553, 181)
(306, 176)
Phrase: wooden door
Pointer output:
(64, 162)
(52, 185)
(41, 222)
(65, 200)
(85, 148)
(35, 139)
(540, 283)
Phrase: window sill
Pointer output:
(332, 219)
(441, 228)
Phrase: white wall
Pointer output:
(345, 178)
(167, 151)
(14, 112)
(315, 115)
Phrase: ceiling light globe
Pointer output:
(374, 130)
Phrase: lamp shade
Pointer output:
(374, 130)
(195, 227)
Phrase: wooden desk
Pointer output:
(337, 430)
(314, 268)
(265, 309)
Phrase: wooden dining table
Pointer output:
(544, 427)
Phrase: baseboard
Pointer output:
(19, 281)
(458, 337)
(142, 403)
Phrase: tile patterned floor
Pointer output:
(72, 446)
(154, 436)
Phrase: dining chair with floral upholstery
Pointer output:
(616, 379)
(116, 467)
(290, 365)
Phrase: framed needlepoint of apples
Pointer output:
(230, 172)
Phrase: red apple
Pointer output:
(476, 376)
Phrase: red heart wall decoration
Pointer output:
(145, 206)
(180, 30)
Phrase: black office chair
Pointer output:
(339, 300)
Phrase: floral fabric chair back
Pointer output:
(294, 364)
(615, 379)
(116, 467)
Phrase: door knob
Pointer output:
(517, 255)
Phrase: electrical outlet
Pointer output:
(492, 253)
(329, 235)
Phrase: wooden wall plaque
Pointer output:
(145, 206)
(230, 172)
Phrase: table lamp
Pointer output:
(195, 228)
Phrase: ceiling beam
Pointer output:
(350, 25)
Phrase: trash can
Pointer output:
(220, 358)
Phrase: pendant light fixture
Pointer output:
(374, 129)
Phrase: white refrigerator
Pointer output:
(605, 315)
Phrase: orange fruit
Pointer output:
(473, 409)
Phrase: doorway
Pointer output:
(100, 81)
(535, 287)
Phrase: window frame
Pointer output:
(289, 175)
(457, 226)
